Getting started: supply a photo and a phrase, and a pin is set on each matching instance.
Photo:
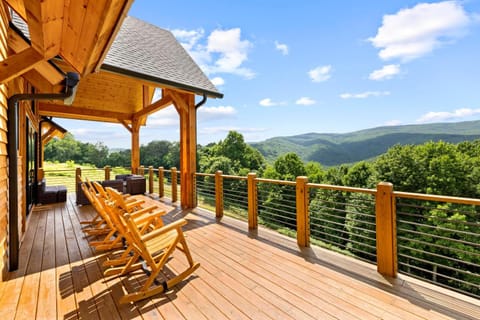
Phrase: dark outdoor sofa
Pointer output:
(50, 194)
(126, 183)
(134, 184)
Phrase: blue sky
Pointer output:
(292, 67)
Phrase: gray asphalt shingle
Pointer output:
(144, 50)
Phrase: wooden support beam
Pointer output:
(74, 112)
(135, 155)
(19, 7)
(147, 95)
(154, 107)
(125, 124)
(108, 33)
(185, 105)
(44, 75)
(18, 64)
(45, 25)
(178, 100)
(47, 136)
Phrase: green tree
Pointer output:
(62, 150)
(328, 210)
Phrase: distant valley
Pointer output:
(335, 149)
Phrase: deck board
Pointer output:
(243, 275)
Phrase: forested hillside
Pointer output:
(335, 149)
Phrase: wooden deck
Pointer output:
(243, 275)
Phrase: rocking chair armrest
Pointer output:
(142, 211)
(134, 204)
(174, 225)
(149, 215)
(142, 221)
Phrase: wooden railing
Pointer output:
(320, 212)
(436, 238)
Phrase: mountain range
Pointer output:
(332, 149)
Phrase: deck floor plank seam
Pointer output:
(377, 288)
(66, 300)
(295, 294)
(77, 273)
(101, 294)
(294, 272)
(27, 303)
(47, 287)
(16, 279)
(207, 258)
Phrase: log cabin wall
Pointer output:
(17, 85)
(3, 147)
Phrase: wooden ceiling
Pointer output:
(75, 35)
(108, 97)
(79, 31)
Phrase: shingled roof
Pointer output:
(147, 52)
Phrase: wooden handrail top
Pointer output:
(283, 182)
(341, 188)
(432, 197)
(205, 174)
(234, 177)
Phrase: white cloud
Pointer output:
(305, 101)
(96, 135)
(283, 48)
(232, 52)
(411, 33)
(387, 72)
(320, 74)
(444, 115)
(393, 123)
(216, 113)
(218, 81)
(267, 102)
(216, 130)
(364, 95)
(223, 51)
(167, 117)
(188, 38)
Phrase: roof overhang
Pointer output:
(159, 82)
(81, 32)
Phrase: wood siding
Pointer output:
(3, 146)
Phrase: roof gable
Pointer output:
(151, 53)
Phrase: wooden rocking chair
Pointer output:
(151, 251)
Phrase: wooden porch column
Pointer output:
(135, 156)
(185, 105)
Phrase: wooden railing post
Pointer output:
(161, 175)
(40, 174)
(252, 201)
(150, 179)
(173, 172)
(107, 172)
(303, 219)
(219, 194)
(385, 212)
(78, 174)
(141, 171)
